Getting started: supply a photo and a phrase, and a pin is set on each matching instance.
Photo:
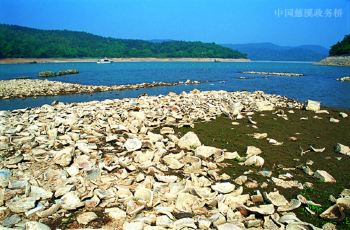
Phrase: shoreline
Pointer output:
(91, 60)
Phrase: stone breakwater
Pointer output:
(22, 88)
(111, 156)
(59, 73)
(344, 79)
(275, 74)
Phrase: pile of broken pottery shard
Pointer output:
(111, 155)
(22, 88)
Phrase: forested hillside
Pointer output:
(341, 48)
(24, 42)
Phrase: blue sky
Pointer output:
(284, 22)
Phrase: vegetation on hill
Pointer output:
(341, 48)
(24, 42)
(272, 52)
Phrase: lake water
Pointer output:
(319, 82)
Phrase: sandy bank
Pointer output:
(62, 60)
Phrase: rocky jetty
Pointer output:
(121, 161)
(336, 61)
(22, 88)
(275, 74)
(59, 73)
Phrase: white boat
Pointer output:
(104, 61)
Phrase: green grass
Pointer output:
(317, 132)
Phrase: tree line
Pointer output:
(24, 42)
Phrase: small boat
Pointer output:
(104, 61)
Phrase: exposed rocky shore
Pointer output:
(121, 162)
(336, 61)
(22, 88)
(275, 74)
(120, 165)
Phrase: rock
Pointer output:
(252, 150)
(86, 217)
(144, 195)
(264, 106)
(64, 156)
(5, 175)
(276, 199)
(185, 202)
(167, 130)
(33, 225)
(329, 226)
(320, 150)
(40, 193)
(241, 180)
(342, 149)
(228, 226)
(343, 115)
(255, 160)
(260, 135)
(313, 105)
(71, 201)
(189, 141)
(133, 226)
(166, 179)
(324, 176)
(294, 204)
(344, 203)
(11, 220)
(224, 187)
(231, 155)
(333, 213)
(206, 151)
(185, 223)
(19, 205)
(217, 219)
(173, 163)
(133, 144)
(115, 213)
(333, 120)
(164, 221)
(265, 210)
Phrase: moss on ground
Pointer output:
(317, 132)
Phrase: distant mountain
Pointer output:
(24, 42)
(272, 52)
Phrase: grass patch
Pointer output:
(313, 131)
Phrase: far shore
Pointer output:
(63, 60)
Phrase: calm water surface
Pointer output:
(319, 82)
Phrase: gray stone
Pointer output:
(19, 205)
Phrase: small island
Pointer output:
(339, 54)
